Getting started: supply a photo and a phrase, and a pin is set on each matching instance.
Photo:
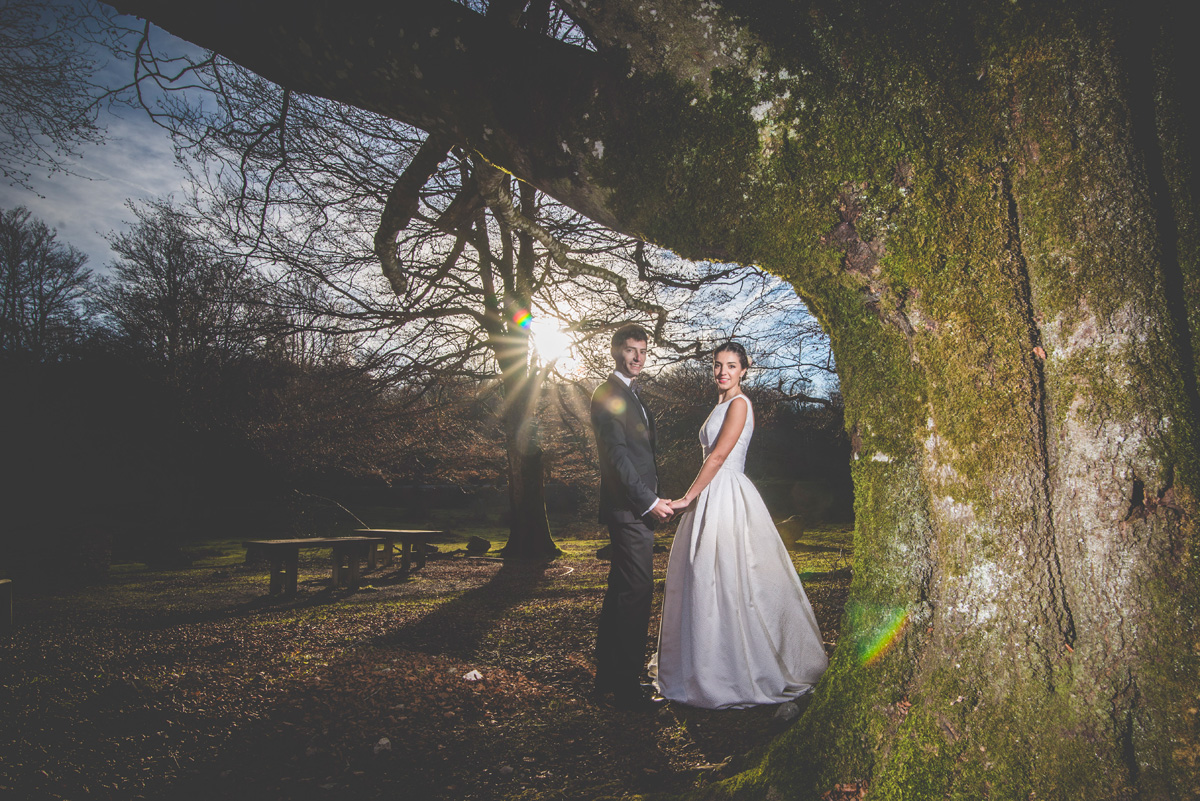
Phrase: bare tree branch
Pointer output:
(492, 183)
(402, 204)
(48, 98)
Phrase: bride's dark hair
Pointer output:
(734, 347)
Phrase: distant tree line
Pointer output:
(179, 394)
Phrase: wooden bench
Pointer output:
(410, 541)
(284, 556)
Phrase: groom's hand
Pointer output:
(662, 510)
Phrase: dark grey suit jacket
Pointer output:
(625, 441)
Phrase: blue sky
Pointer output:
(136, 162)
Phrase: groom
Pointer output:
(629, 498)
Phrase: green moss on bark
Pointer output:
(962, 198)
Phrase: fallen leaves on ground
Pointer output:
(193, 684)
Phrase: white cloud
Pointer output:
(136, 162)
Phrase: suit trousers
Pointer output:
(625, 616)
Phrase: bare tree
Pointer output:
(42, 285)
(468, 256)
(178, 301)
(48, 95)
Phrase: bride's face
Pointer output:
(727, 370)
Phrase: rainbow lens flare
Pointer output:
(885, 635)
(616, 406)
(614, 403)
(523, 318)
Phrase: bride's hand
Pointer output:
(680, 504)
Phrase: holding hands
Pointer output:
(663, 510)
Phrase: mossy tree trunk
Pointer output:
(1026, 512)
(992, 211)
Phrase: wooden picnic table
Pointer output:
(284, 556)
(410, 540)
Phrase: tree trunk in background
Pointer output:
(991, 208)
(529, 534)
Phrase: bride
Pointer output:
(737, 628)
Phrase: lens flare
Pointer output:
(523, 318)
(884, 637)
(614, 403)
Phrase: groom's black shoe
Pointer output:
(604, 685)
(638, 699)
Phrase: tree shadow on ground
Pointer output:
(458, 627)
(313, 592)
(501, 737)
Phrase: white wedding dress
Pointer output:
(737, 628)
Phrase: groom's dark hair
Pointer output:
(627, 332)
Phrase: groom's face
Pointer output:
(630, 357)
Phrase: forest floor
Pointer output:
(193, 683)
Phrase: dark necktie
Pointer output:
(636, 388)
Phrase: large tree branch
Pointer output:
(702, 37)
(402, 204)
(515, 96)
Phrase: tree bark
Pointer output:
(992, 211)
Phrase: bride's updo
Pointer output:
(736, 348)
